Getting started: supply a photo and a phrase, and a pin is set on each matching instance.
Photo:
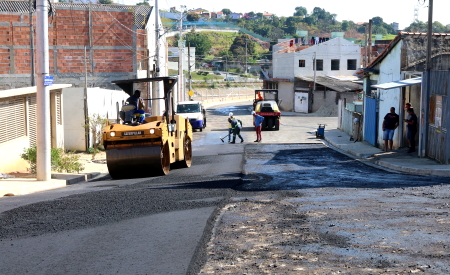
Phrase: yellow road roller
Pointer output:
(148, 148)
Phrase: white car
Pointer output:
(194, 111)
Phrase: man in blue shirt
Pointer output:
(257, 122)
(138, 102)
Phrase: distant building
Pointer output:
(336, 61)
(235, 16)
(395, 26)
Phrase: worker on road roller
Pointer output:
(138, 103)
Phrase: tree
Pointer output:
(377, 21)
(226, 11)
(238, 46)
(438, 27)
(192, 17)
(300, 11)
(145, 3)
(345, 25)
(106, 2)
(199, 41)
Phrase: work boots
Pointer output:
(234, 140)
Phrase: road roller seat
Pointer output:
(130, 115)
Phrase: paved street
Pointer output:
(287, 205)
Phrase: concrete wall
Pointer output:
(283, 65)
(286, 64)
(74, 138)
(10, 160)
(338, 48)
(286, 95)
(99, 101)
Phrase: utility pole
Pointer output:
(425, 109)
(30, 6)
(226, 67)
(43, 161)
(365, 45)
(246, 57)
(369, 53)
(156, 111)
(315, 69)
(189, 69)
(180, 58)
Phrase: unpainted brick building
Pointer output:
(108, 42)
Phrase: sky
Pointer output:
(400, 11)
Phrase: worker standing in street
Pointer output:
(236, 125)
(257, 122)
(230, 129)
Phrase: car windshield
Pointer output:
(188, 108)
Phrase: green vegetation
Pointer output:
(61, 161)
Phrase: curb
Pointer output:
(411, 170)
(349, 151)
(74, 178)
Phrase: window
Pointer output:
(319, 63)
(13, 118)
(301, 63)
(351, 64)
(335, 64)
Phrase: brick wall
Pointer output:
(117, 46)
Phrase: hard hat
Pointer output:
(253, 112)
(230, 114)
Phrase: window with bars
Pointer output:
(319, 63)
(301, 63)
(351, 64)
(335, 64)
(13, 118)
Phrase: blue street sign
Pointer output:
(48, 80)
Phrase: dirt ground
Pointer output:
(330, 215)
(334, 231)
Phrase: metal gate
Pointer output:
(370, 120)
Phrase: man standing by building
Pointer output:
(411, 128)
(390, 123)
(257, 122)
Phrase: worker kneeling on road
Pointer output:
(236, 125)
(138, 102)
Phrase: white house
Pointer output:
(395, 78)
(18, 124)
(235, 15)
(294, 71)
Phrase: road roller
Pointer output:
(148, 148)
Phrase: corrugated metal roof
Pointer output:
(398, 84)
(333, 83)
(394, 42)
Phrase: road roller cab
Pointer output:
(148, 149)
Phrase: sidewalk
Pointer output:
(397, 160)
(25, 184)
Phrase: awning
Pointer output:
(398, 84)
(30, 90)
